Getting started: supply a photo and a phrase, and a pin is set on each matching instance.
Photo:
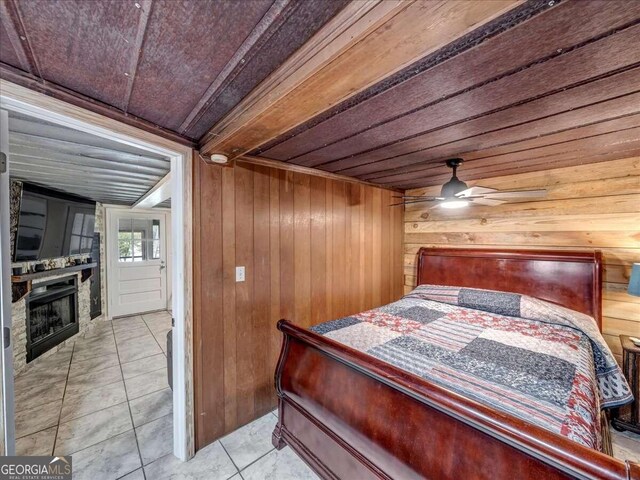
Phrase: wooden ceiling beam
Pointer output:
(277, 14)
(145, 7)
(365, 43)
(159, 193)
(486, 56)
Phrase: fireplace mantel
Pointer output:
(21, 284)
(54, 271)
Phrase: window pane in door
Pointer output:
(138, 251)
(125, 251)
(138, 239)
(153, 249)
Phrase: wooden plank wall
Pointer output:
(594, 206)
(314, 249)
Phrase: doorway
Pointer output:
(21, 101)
(137, 262)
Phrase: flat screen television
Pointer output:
(53, 224)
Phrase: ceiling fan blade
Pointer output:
(416, 200)
(475, 191)
(487, 201)
(421, 200)
(516, 194)
(415, 197)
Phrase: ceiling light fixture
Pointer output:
(457, 194)
(455, 203)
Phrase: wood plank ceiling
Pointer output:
(511, 86)
(538, 88)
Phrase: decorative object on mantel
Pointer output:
(457, 194)
(16, 271)
(39, 267)
(21, 284)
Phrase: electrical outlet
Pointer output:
(239, 274)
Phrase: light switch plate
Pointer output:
(239, 274)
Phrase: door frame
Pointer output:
(110, 211)
(20, 99)
(7, 407)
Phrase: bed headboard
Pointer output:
(570, 279)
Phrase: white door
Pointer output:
(7, 431)
(137, 274)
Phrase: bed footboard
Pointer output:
(350, 416)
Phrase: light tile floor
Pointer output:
(246, 454)
(106, 401)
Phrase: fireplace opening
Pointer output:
(52, 315)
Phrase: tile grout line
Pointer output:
(98, 386)
(142, 358)
(156, 418)
(135, 434)
(68, 379)
(98, 411)
(91, 413)
(234, 463)
(144, 373)
(257, 460)
(64, 393)
(154, 337)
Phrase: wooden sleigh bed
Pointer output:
(351, 416)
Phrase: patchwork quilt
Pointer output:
(536, 360)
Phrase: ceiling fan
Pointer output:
(457, 194)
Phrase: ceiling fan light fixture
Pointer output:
(455, 203)
(454, 185)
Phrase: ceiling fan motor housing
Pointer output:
(452, 187)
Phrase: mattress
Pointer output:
(538, 361)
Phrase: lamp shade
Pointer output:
(634, 281)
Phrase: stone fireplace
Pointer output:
(31, 342)
(58, 331)
(52, 315)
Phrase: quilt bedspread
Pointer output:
(538, 361)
